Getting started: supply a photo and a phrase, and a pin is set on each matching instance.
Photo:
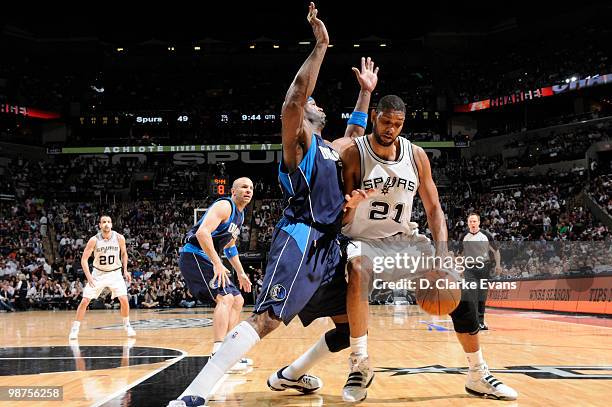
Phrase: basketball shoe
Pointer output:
(359, 379)
(129, 330)
(188, 401)
(304, 384)
(480, 382)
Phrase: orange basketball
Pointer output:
(438, 293)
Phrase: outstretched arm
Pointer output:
(367, 78)
(295, 138)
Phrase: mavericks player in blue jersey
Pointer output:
(330, 298)
(305, 252)
(202, 268)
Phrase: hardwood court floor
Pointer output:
(550, 360)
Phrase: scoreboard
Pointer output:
(219, 186)
(148, 119)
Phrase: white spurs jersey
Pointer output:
(107, 255)
(389, 211)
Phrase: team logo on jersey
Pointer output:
(278, 292)
(389, 182)
(214, 284)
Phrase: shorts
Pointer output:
(198, 274)
(301, 259)
(111, 279)
(464, 317)
(329, 300)
(413, 250)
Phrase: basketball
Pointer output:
(436, 292)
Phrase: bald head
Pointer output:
(242, 191)
(242, 180)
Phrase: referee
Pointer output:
(477, 243)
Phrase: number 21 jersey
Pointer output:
(389, 211)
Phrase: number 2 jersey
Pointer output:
(221, 236)
(389, 211)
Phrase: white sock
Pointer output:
(305, 362)
(76, 324)
(360, 345)
(236, 344)
(475, 359)
(216, 346)
(126, 321)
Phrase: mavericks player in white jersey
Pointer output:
(387, 171)
(110, 257)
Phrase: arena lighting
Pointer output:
(170, 48)
(574, 79)
(330, 45)
(356, 45)
(275, 46)
(304, 42)
(119, 49)
(252, 46)
(567, 81)
(383, 45)
(196, 48)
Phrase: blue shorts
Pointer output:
(301, 259)
(198, 273)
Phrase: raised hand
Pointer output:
(318, 28)
(368, 76)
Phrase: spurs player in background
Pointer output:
(387, 171)
(110, 257)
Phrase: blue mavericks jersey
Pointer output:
(221, 236)
(313, 192)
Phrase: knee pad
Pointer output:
(338, 338)
(465, 318)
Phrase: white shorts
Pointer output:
(111, 279)
(383, 252)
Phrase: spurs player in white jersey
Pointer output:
(387, 171)
(110, 257)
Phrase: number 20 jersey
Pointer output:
(388, 212)
(107, 255)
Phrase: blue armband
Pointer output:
(359, 118)
(230, 252)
